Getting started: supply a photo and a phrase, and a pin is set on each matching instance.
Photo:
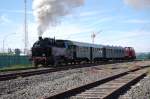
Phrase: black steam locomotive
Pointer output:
(48, 51)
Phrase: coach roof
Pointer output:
(84, 44)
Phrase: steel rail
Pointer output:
(79, 90)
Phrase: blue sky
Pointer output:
(120, 23)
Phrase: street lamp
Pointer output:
(4, 39)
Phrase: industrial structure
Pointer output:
(25, 28)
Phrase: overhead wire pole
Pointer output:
(25, 28)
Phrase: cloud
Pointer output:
(64, 31)
(90, 13)
(137, 21)
(4, 19)
(122, 35)
(79, 33)
(139, 39)
(138, 4)
(68, 31)
(15, 11)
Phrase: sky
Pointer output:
(115, 22)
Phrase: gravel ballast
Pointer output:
(44, 85)
(50, 86)
(139, 91)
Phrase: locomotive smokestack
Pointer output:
(40, 38)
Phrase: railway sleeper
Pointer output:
(108, 90)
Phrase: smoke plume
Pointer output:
(49, 12)
(138, 4)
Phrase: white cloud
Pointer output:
(133, 34)
(137, 21)
(74, 32)
(138, 4)
(4, 19)
(91, 13)
(139, 39)
(67, 31)
(64, 31)
(15, 11)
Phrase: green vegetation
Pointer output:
(148, 56)
(143, 55)
(6, 54)
(15, 67)
(11, 52)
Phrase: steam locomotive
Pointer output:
(48, 51)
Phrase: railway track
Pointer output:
(30, 72)
(107, 88)
(30, 68)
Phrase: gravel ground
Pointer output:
(139, 91)
(39, 86)
(44, 85)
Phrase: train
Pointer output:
(51, 52)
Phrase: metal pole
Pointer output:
(25, 27)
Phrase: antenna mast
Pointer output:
(25, 28)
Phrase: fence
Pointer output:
(8, 60)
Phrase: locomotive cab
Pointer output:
(130, 53)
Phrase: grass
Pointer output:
(16, 67)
